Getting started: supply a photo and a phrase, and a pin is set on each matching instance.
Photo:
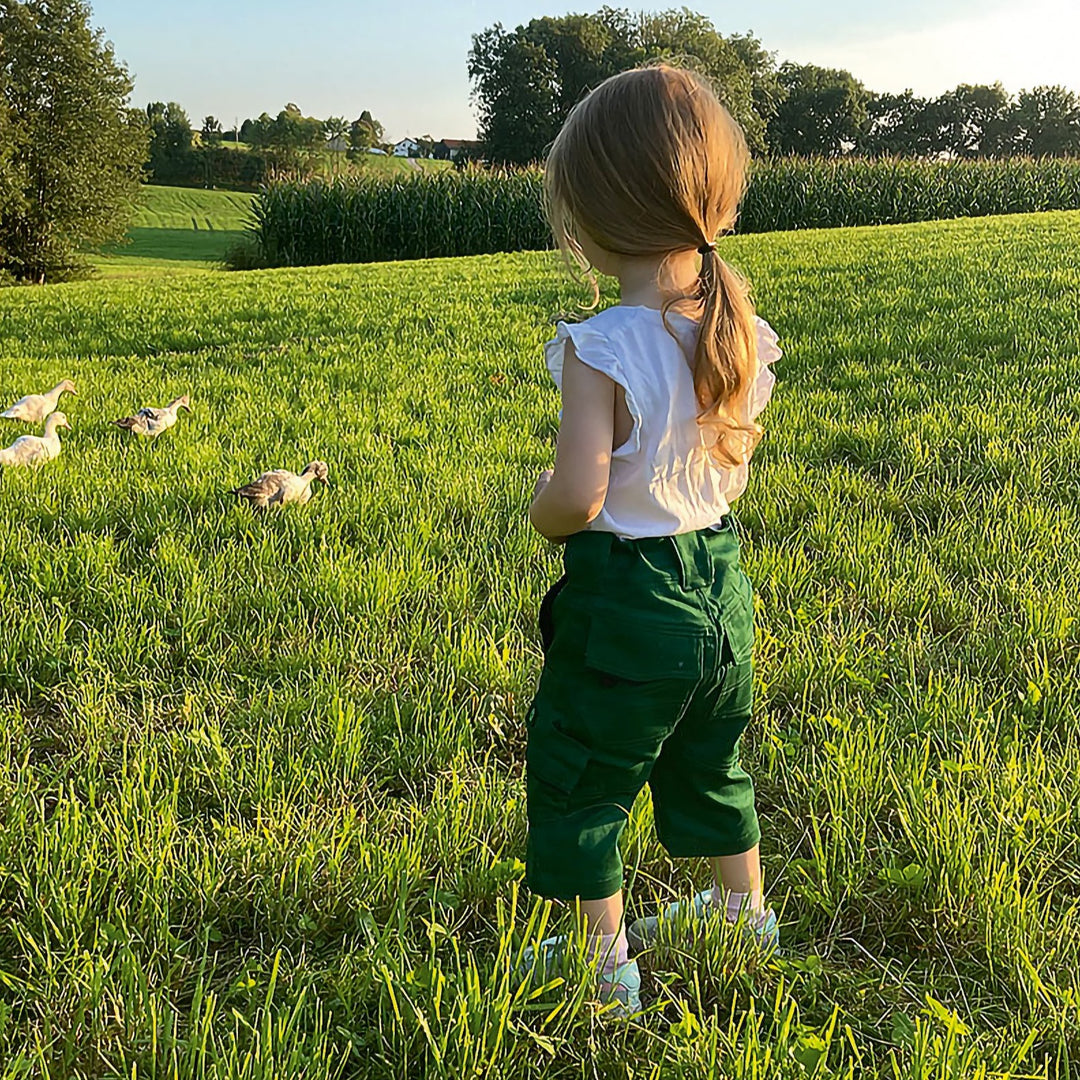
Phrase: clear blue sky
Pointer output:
(406, 61)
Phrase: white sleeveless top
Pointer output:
(663, 479)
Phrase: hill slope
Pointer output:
(178, 229)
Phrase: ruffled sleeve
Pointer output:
(592, 349)
(769, 352)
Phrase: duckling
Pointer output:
(152, 422)
(280, 486)
(36, 449)
(36, 407)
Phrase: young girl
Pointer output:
(649, 634)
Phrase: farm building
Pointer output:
(453, 149)
(407, 148)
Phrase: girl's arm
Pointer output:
(574, 495)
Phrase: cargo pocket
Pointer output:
(555, 763)
(639, 650)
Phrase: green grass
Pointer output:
(390, 165)
(178, 229)
(260, 780)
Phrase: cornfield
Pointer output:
(374, 219)
(480, 212)
(796, 193)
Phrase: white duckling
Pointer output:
(36, 449)
(36, 407)
(152, 422)
(279, 487)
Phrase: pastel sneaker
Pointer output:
(620, 989)
(764, 931)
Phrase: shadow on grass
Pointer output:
(186, 245)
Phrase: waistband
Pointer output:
(690, 557)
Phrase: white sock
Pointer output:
(610, 950)
(734, 904)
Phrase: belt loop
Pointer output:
(703, 553)
(676, 550)
(695, 561)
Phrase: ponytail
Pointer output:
(725, 360)
(650, 165)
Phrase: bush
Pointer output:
(476, 212)
(215, 166)
(245, 255)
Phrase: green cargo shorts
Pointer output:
(648, 679)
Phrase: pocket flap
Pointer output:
(556, 758)
(643, 650)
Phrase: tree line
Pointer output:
(289, 141)
(526, 80)
(73, 151)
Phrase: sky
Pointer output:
(406, 61)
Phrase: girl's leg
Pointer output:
(602, 924)
(602, 916)
(739, 873)
(738, 883)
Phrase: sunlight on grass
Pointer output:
(261, 809)
(177, 229)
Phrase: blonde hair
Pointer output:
(652, 164)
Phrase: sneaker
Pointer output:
(643, 933)
(620, 989)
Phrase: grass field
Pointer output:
(261, 807)
(176, 229)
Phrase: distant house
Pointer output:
(338, 144)
(455, 149)
(407, 148)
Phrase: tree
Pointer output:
(1047, 121)
(902, 125)
(823, 112)
(170, 131)
(526, 81)
(364, 133)
(517, 92)
(10, 189)
(336, 127)
(976, 121)
(259, 132)
(211, 131)
(336, 136)
(768, 94)
(290, 134)
(76, 149)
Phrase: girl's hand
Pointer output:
(542, 482)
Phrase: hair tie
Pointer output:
(705, 249)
